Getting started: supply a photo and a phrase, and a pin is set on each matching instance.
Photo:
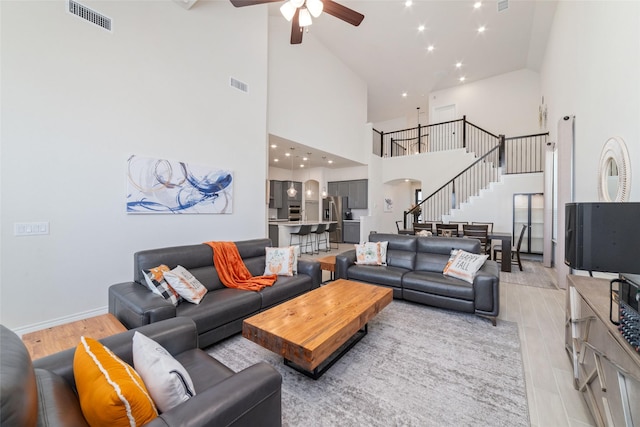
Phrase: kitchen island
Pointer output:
(280, 231)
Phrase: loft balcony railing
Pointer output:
(496, 155)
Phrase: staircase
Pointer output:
(496, 156)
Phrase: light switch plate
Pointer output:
(30, 228)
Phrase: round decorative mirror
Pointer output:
(614, 172)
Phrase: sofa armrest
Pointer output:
(134, 305)
(487, 289)
(176, 335)
(311, 268)
(249, 397)
(343, 262)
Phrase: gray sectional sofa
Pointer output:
(43, 392)
(414, 272)
(222, 310)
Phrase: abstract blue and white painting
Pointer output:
(167, 186)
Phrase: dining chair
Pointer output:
(515, 251)
(402, 231)
(480, 232)
(459, 224)
(442, 229)
(489, 224)
(420, 226)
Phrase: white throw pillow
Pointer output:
(371, 253)
(464, 265)
(185, 284)
(281, 261)
(167, 381)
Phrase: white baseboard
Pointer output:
(60, 321)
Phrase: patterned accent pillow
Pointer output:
(167, 380)
(464, 265)
(159, 286)
(371, 253)
(281, 261)
(110, 391)
(185, 284)
(425, 233)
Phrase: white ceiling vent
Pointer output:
(239, 85)
(503, 5)
(89, 15)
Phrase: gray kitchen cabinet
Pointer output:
(358, 194)
(275, 194)
(351, 231)
(332, 188)
(356, 190)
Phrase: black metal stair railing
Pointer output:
(460, 188)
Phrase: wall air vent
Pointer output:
(89, 15)
(239, 85)
(503, 5)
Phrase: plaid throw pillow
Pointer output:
(159, 286)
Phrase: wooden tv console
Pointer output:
(606, 367)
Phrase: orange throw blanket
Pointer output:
(232, 271)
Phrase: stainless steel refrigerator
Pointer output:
(334, 208)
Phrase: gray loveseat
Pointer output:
(222, 310)
(414, 272)
(43, 392)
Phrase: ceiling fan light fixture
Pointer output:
(304, 17)
(297, 3)
(315, 7)
(288, 10)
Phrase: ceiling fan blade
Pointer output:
(342, 12)
(241, 3)
(296, 29)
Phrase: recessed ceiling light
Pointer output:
(463, 78)
(304, 159)
(330, 161)
(406, 180)
(430, 48)
(477, 5)
(481, 29)
(408, 3)
(276, 160)
(287, 154)
(421, 28)
(404, 94)
(458, 64)
(302, 165)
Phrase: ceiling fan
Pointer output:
(299, 12)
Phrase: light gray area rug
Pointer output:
(418, 366)
(533, 274)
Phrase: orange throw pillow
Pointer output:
(111, 392)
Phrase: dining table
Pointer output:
(506, 241)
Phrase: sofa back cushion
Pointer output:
(19, 405)
(401, 249)
(198, 260)
(434, 252)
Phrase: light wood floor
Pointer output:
(540, 315)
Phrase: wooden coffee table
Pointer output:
(314, 330)
(62, 337)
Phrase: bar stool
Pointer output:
(321, 236)
(305, 231)
(333, 227)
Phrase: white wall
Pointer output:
(314, 99)
(77, 101)
(506, 104)
(590, 71)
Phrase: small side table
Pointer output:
(328, 263)
(62, 337)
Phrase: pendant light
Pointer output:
(309, 191)
(291, 192)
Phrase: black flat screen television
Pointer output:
(603, 237)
